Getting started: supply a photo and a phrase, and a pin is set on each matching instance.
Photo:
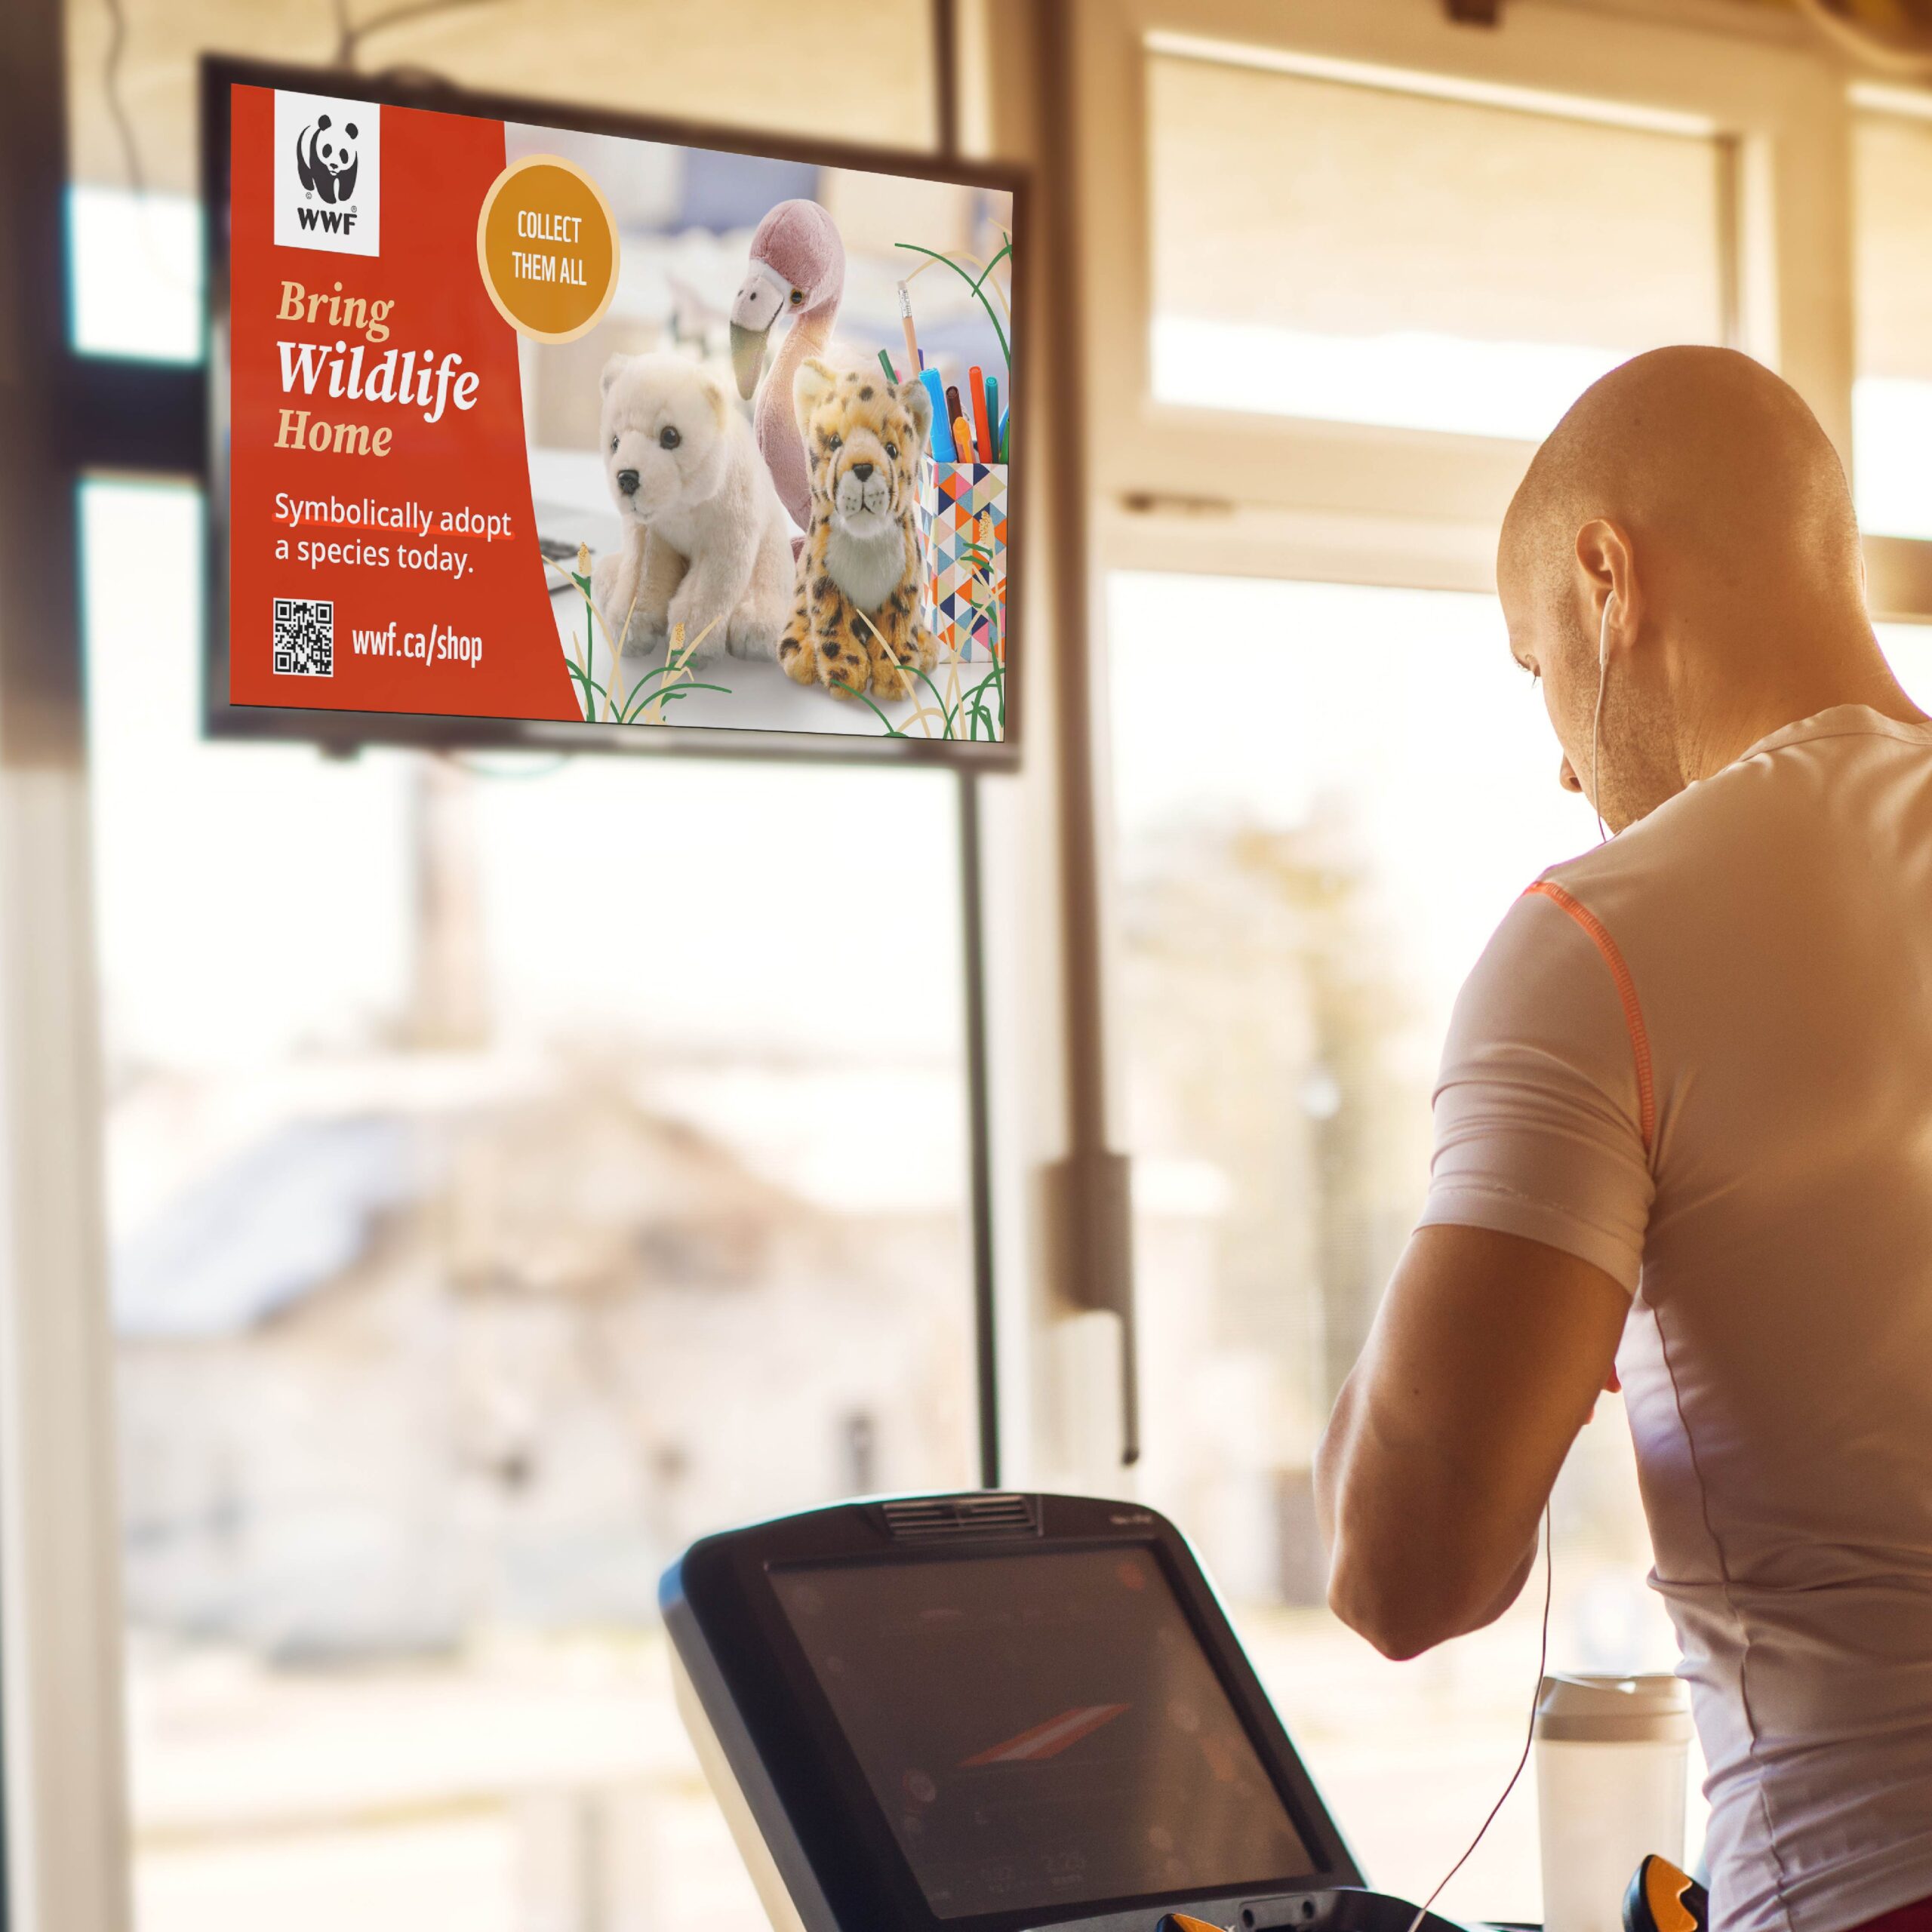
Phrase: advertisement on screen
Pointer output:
(529, 423)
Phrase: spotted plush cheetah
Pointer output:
(855, 615)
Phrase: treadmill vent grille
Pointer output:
(962, 1516)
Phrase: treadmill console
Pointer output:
(991, 1713)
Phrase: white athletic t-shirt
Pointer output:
(1700, 1056)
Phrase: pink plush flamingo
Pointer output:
(798, 268)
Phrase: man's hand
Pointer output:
(1485, 1360)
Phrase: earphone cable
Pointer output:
(1596, 718)
(1529, 1740)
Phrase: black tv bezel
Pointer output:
(343, 732)
(727, 1582)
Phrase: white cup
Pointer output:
(1611, 1754)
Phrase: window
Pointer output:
(135, 274)
(1343, 254)
(516, 1169)
(1394, 243)
(1313, 849)
(1307, 871)
(1368, 249)
(1892, 399)
(1909, 647)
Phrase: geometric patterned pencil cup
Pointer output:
(964, 507)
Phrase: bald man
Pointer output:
(1684, 1131)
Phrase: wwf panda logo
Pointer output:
(326, 158)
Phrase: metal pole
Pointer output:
(1091, 1188)
(972, 926)
(979, 1132)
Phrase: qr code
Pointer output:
(305, 637)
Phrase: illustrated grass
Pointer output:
(656, 685)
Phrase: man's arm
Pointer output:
(1485, 1359)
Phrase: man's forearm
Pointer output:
(1413, 1561)
(1483, 1363)
(1511, 1591)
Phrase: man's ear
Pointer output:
(1607, 570)
(919, 406)
(613, 369)
(814, 383)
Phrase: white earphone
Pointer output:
(1596, 721)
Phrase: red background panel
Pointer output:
(436, 169)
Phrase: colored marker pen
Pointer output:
(942, 431)
(982, 430)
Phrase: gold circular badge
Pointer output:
(546, 243)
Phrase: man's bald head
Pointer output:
(1689, 516)
(1710, 455)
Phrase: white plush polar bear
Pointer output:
(706, 543)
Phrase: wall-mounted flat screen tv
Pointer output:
(540, 427)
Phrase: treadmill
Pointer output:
(998, 1712)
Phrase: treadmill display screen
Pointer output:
(1041, 1731)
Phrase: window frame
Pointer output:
(1171, 488)
(1217, 491)
(66, 1841)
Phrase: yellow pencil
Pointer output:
(915, 362)
(962, 440)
